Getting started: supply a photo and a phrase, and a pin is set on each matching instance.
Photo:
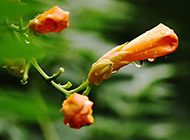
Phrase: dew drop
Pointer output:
(146, 52)
(163, 32)
(27, 35)
(23, 82)
(27, 42)
(36, 21)
(22, 71)
(139, 63)
(114, 72)
(151, 59)
(96, 73)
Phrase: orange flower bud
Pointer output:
(77, 110)
(156, 42)
(15, 67)
(53, 20)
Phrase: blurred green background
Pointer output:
(147, 103)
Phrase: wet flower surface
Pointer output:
(53, 20)
(154, 43)
(77, 110)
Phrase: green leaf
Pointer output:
(10, 49)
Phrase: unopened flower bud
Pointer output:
(156, 42)
(53, 20)
(77, 110)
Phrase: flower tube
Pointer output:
(154, 43)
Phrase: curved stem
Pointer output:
(38, 68)
(25, 77)
(14, 27)
(87, 91)
(21, 30)
(56, 75)
(21, 24)
(25, 28)
(46, 77)
(81, 87)
(67, 85)
(58, 87)
(10, 29)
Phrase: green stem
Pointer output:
(14, 30)
(14, 27)
(20, 30)
(81, 87)
(25, 77)
(46, 77)
(25, 28)
(41, 72)
(56, 75)
(87, 91)
(67, 85)
(58, 87)
(21, 24)
(7, 23)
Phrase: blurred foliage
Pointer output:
(147, 103)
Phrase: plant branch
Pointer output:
(67, 85)
(87, 91)
(46, 77)
(25, 77)
(56, 75)
(21, 24)
(79, 88)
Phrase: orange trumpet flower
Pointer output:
(77, 110)
(154, 43)
(53, 20)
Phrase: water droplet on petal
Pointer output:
(23, 82)
(27, 42)
(114, 72)
(146, 52)
(22, 71)
(26, 35)
(151, 59)
(163, 32)
(36, 21)
(139, 63)
(96, 73)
